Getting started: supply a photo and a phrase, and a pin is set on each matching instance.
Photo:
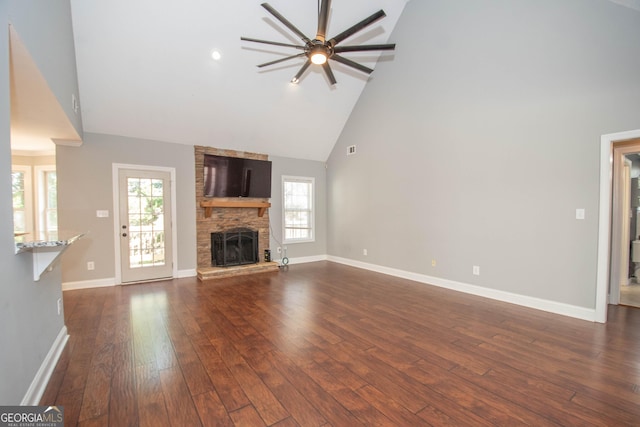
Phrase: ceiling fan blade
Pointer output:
(304, 67)
(281, 60)
(359, 26)
(323, 19)
(364, 47)
(352, 64)
(247, 39)
(286, 23)
(329, 73)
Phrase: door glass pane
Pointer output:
(146, 222)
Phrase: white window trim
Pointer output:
(40, 186)
(28, 196)
(308, 179)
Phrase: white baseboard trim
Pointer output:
(86, 284)
(526, 301)
(303, 260)
(111, 281)
(181, 274)
(40, 381)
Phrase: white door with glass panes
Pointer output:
(145, 225)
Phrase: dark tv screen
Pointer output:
(236, 177)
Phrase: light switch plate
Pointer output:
(579, 213)
(102, 214)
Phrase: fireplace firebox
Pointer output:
(234, 247)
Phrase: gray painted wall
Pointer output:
(85, 185)
(307, 168)
(29, 322)
(45, 28)
(478, 141)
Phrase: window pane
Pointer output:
(298, 208)
(17, 183)
(19, 223)
(52, 220)
(52, 193)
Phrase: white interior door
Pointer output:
(145, 225)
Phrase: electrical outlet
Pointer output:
(59, 306)
(433, 263)
(91, 265)
(364, 252)
(476, 270)
(279, 249)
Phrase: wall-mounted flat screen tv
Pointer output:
(236, 177)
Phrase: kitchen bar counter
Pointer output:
(45, 252)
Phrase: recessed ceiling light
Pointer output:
(215, 54)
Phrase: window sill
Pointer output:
(293, 242)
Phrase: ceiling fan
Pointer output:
(319, 50)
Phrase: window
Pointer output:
(22, 205)
(47, 202)
(298, 209)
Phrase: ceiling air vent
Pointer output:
(351, 150)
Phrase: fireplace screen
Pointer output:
(234, 247)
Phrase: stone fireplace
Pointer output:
(234, 247)
(224, 219)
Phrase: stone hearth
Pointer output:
(238, 270)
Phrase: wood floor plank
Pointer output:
(211, 410)
(151, 406)
(475, 399)
(246, 416)
(123, 399)
(230, 391)
(324, 344)
(178, 402)
(398, 414)
(327, 405)
(95, 402)
(366, 413)
(263, 400)
(288, 394)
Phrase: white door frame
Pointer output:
(604, 219)
(116, 167)
(625, 230)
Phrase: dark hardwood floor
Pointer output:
(323, 344)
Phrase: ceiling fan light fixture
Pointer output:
(318, 53)
(319, 50)
(318, 58)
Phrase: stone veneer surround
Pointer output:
(223, 219)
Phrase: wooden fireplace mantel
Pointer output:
(208, 205)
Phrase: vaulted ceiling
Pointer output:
(145, 70)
